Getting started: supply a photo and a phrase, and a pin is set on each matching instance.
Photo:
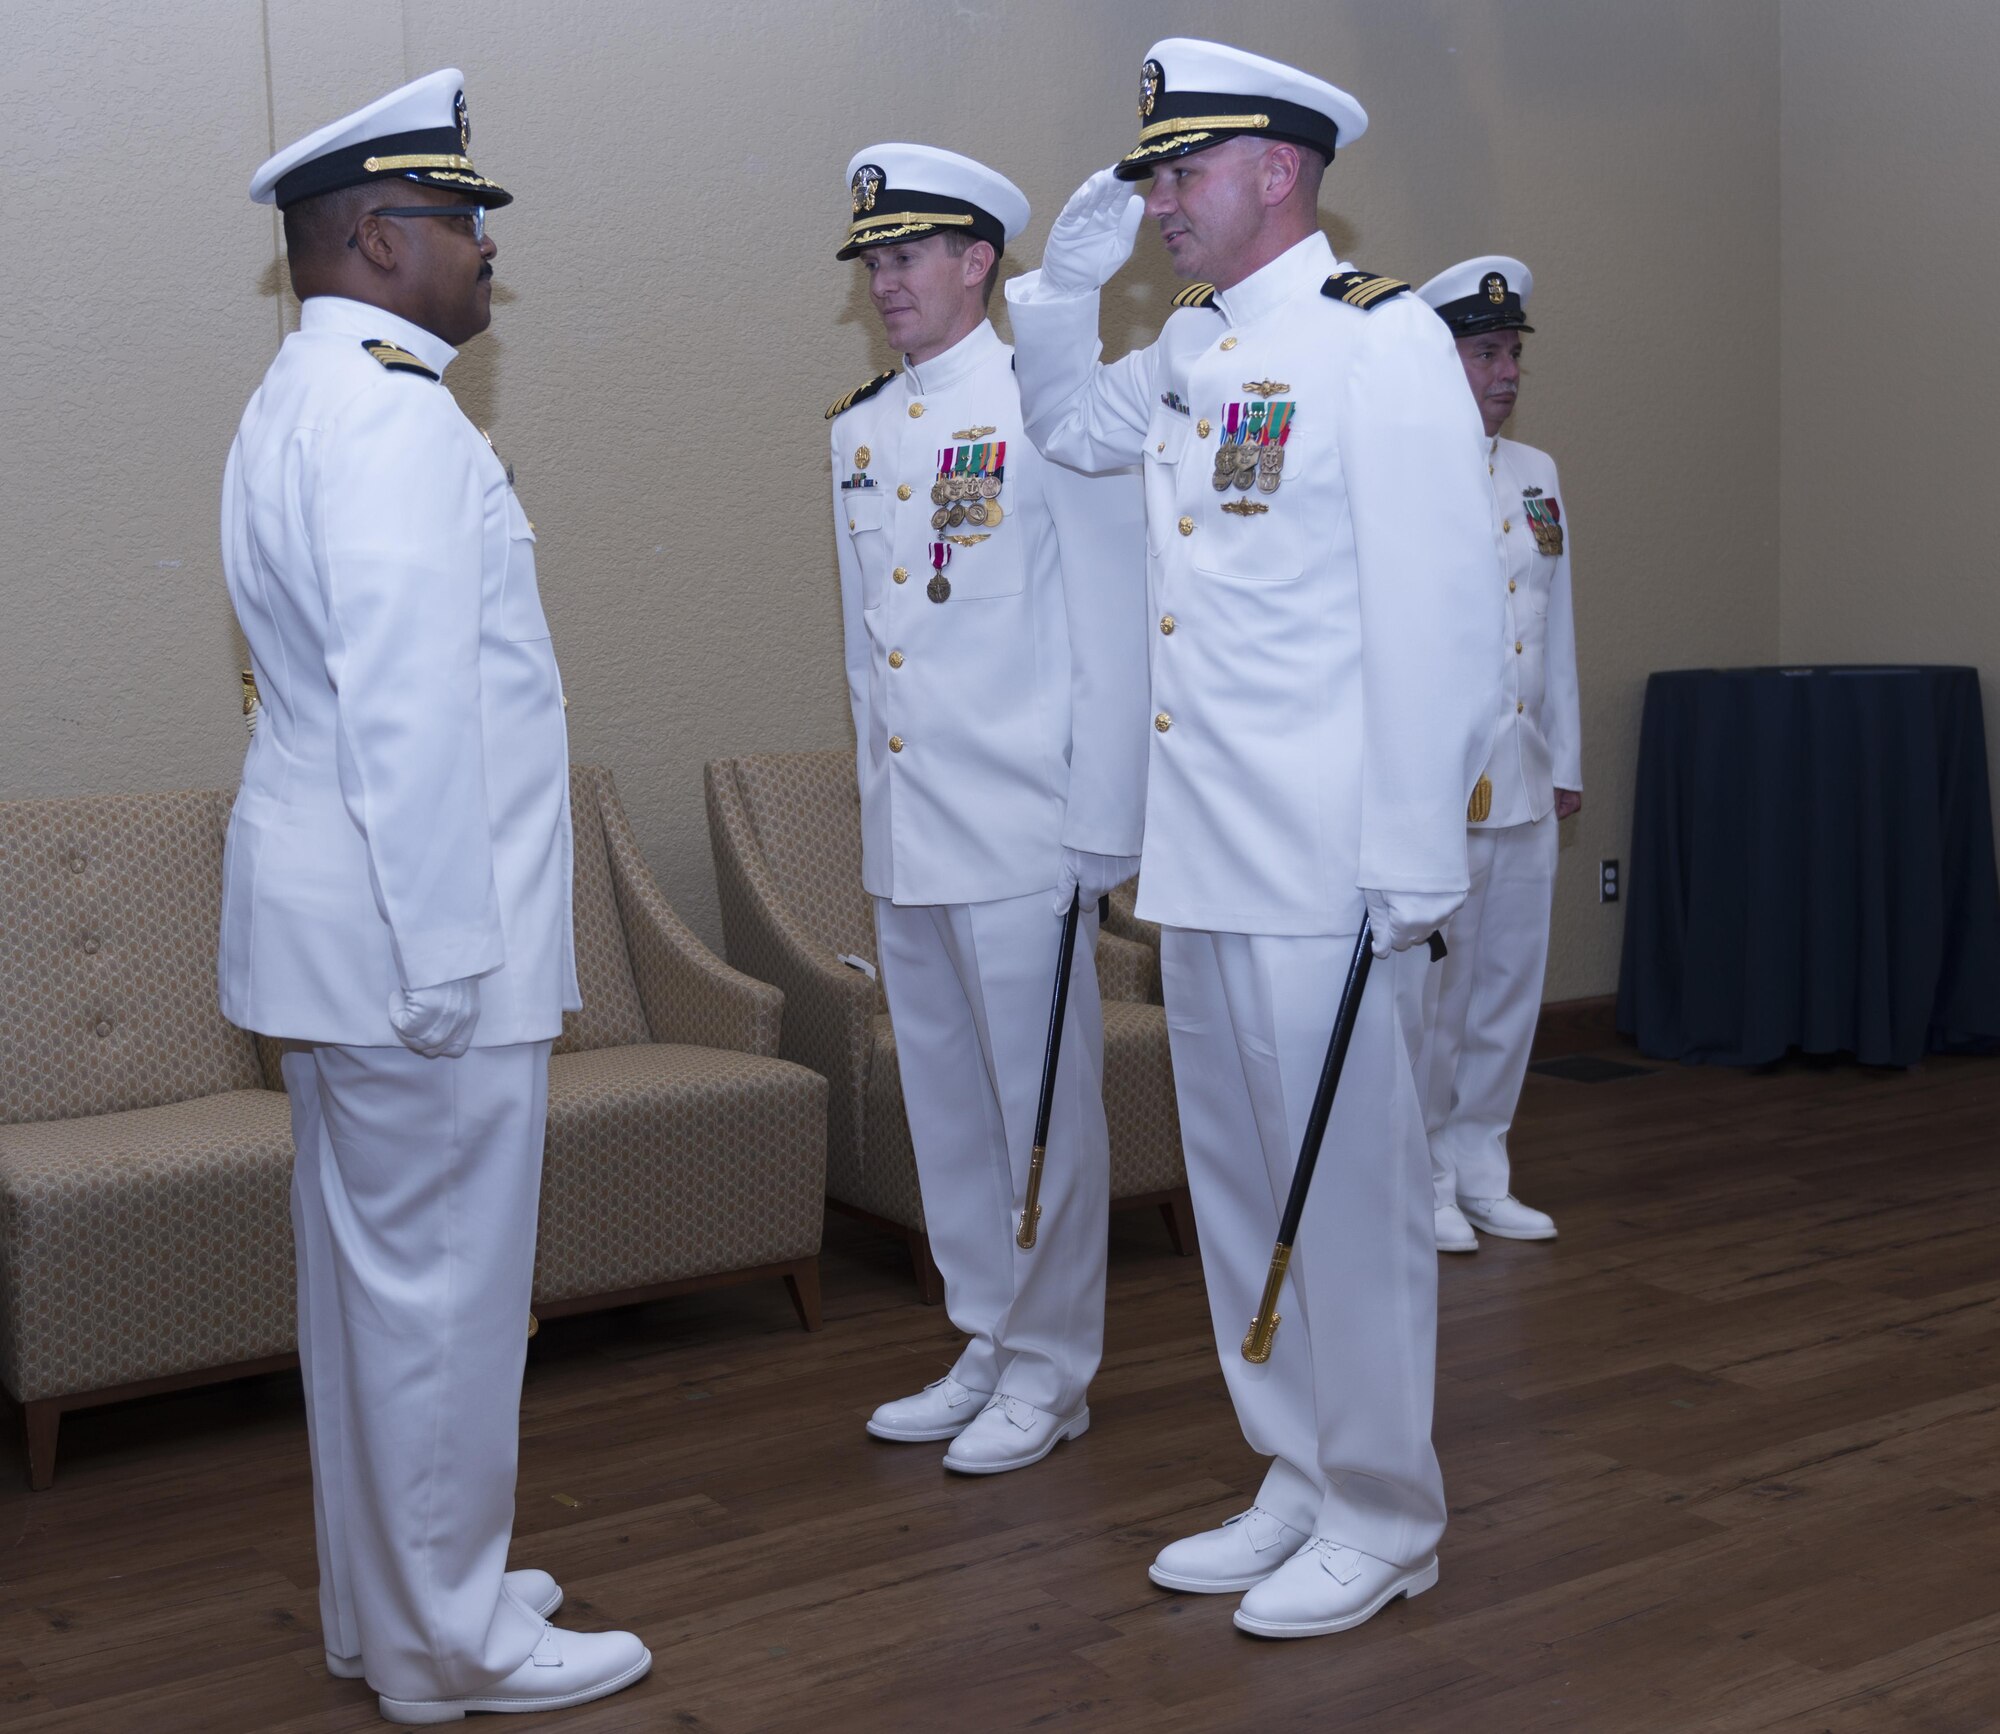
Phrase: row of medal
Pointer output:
(1252, 448)
(1545, 519)
(967, 489)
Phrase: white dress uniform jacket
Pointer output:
(1322, 672)
(1537, 744)
(403, 818)
(1007, 722)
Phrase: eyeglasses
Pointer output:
(476, 212)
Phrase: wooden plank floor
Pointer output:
(1726, 1457)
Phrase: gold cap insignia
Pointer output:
(1495, 286)
(1152, 80)
(868, 181)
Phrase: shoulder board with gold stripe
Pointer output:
(1196, 295)
(394, 359)
(1359, 289)
(861, 393)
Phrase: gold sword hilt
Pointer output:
(1031, 1209)
(1264, 1327)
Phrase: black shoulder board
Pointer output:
(1196, 295)
(394, 359)
(861, 393)
(1359, 289)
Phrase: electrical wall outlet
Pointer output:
(1607, 881)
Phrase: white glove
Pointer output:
(1093, 236)
(1401, 919)
(1091, 876)
(436, 1021)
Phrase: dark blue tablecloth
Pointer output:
(1812, 867)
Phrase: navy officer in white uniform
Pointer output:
(993, 610)
(1323, 685)
(1489, 989)
(396, 904)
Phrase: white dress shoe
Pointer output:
(943, 1409)
(1011, 1434)
(1454, 1233)
(1326, 1587)
(565, 1668)
(1239, 1555)
(1509, 1218)
(535, 1590)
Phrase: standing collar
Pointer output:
(941, 372)
(1300, 269)
(339, 316)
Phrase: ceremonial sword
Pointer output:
(1031, 1209)
(1264, 1327)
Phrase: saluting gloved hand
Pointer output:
(1091, 876)
(436, 1021)
(1093, 236)
(1401, 919)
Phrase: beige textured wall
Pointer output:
(670, 324)
(1891, 257)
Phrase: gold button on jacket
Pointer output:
(901, 574)
(902, 490)
(1187, 526)
(1167, 624)
(895, 659)
(1163, 722)
(895, 743)
(916, 409)
(1201, 428)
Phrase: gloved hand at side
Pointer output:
(1401, 919)
(1093, 236)
(436, 1022)
(1090, 876)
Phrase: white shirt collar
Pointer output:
(1301, 267)
(941, 372)
(338, 315)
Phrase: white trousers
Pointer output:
(1343, 1406)
(969, 988)
(414, 1198)
(1489, 996)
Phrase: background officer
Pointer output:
(1489, 990)
(993, 612)
(1323, 684)
(397, 902)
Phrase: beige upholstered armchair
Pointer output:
(146, 1152)
(786, 833)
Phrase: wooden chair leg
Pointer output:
(930, 1280)
(1178, 1214)
(802, 1284)
(44, 1422)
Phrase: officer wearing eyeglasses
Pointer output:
(396, 905)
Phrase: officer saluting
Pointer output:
(993, 610)
(1490, 987)
(1323, 683)
(397, 902)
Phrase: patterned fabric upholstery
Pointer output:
(109, 908)
(611, 1016)
(144, 1243)
(786, 834)
(145, 1227)
(665, 1162)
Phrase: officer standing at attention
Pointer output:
(396, 902)
(993, 607)
(1489, 990)
(1323, 684)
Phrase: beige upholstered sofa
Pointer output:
(145, 1150)
(786, 833)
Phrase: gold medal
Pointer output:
(1271, 460)
(1222, 478)
(1246, 458)
(955, 517)
(989, 487)
(993, 514)
(939, 492)
(976, 513)
(939, 588)
(861, 456)
(940, 518)
(1267, 481)
(1245, 478)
